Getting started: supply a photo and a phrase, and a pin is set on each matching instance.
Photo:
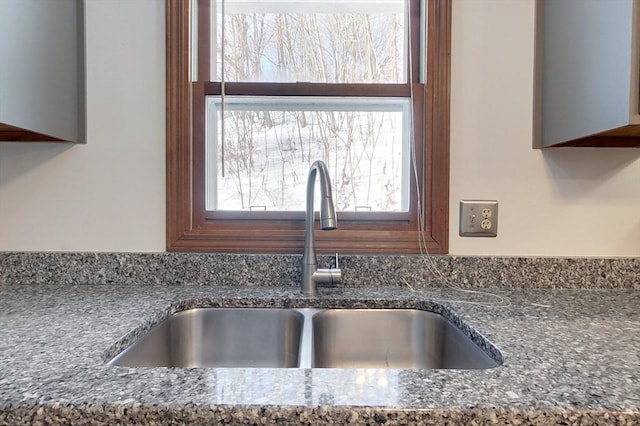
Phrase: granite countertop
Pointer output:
(570, 355)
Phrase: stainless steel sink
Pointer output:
(219, 337)
(306, 338)
(392, 338)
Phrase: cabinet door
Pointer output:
(586, 71)
(42, 88)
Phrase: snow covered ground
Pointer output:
(267, 158)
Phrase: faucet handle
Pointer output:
(329, 277)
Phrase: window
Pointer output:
(274, 85)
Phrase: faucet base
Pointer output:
(312, 277)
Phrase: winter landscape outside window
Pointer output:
(260, 160)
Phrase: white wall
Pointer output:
(108, 195)
(562, 202)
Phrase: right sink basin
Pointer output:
(392, 338)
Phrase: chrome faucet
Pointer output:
(311, 275)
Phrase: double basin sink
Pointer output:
(307, 338)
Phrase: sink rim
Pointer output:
(308, 307)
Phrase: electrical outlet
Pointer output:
(478, 218)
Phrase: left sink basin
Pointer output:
(219, 337)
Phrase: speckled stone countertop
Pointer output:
(571, 356)
(285, 270)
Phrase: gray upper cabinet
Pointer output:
(586, 81)
(42, 71)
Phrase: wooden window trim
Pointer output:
(188, 228)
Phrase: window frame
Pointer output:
(191, 228)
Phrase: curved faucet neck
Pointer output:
(327, 211)
(327, 218)
(328, 221)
